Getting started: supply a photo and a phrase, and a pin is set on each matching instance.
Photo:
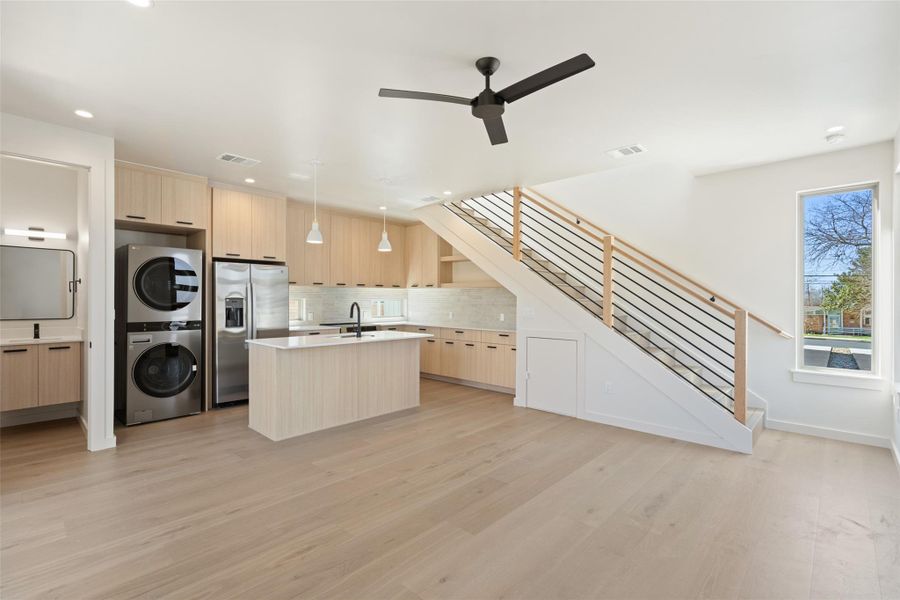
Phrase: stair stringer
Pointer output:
(719, 428)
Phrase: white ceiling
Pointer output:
(711, 86)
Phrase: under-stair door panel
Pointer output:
(552, 375)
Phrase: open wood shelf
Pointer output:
(470, 284)
(454, 258)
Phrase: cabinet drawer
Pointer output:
(430, 357)
(499, 337)
(18, 377)
(463, 335)
(436, 332)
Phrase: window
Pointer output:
(838, 230)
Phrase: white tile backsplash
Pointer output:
(469, 307)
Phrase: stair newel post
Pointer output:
(740, 365)
(608, 280)
(517, 223)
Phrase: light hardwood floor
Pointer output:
(464, 497)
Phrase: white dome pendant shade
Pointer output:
(385, 244)
(315, 236)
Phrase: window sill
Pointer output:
(860, 382)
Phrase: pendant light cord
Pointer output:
(316, 191)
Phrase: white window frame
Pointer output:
(826, 375)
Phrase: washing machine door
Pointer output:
(166, 283)
(164, 370)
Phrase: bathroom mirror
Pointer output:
(36, 283)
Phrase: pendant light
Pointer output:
(384, 245)
(315, 236)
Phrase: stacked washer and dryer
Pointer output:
(158, 333)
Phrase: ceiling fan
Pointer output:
(489, 105)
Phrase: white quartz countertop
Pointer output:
(50, 339)
(396, 323)
(306, 342)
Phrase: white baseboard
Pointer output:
(826, 432)
(895, 451)
(37, 414)
(696, 437)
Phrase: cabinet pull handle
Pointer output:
(16, 350)
(430, 341)
(429, 285)
(185, 222)
(314, 332)
(340, 283)
(395, 285)
(232, 254)
(451, 343)
(503, 335)
(458, 331)
(423, 329)
(377, 284)
(317, 283)
(292, 282)
(360, 285)
(492, 347)
(414, 285)
(135, 217)
(470, 345)
(513, 349)
(269, 257)
(59, 347)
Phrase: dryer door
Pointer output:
(166, 283)
(164, 370)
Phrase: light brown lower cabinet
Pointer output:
(478, 362)
(430, 359)
(40, 375)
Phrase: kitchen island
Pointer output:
(303, 384)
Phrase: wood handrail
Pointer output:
(577, 223)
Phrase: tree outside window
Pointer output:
(837, 279)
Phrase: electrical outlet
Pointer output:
(502, 317)
(608, 387)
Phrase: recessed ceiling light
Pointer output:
(142, 3)
(834, 138)
(835, 129)
(84, 114)
(300, 176)
(249, 180)
(447, 192)
(382, 208)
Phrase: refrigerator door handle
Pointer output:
(248, 325)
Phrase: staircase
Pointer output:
(697, 334)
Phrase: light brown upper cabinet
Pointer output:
(138, 195)
(423, 257)
(248, 226)
(318, 256)
(295, 245)
(268, 223)
(341, 250)
(151, 196)
(413, 256)
(362, 252)
(232, 217)
(185, 202)
(394, 269)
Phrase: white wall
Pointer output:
(737, 232)
(896, 375)
(35, 139)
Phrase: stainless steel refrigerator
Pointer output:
(251, 303)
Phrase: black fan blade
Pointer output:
(538, 81)
(496, 131)
(386, 93)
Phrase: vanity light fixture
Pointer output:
(384, 245)
(315, 236)
(35, 233)
(84, 114)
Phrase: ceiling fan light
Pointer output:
(384, 245)
(314, 236)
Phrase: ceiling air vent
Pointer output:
(626, 151)
(236, 159)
